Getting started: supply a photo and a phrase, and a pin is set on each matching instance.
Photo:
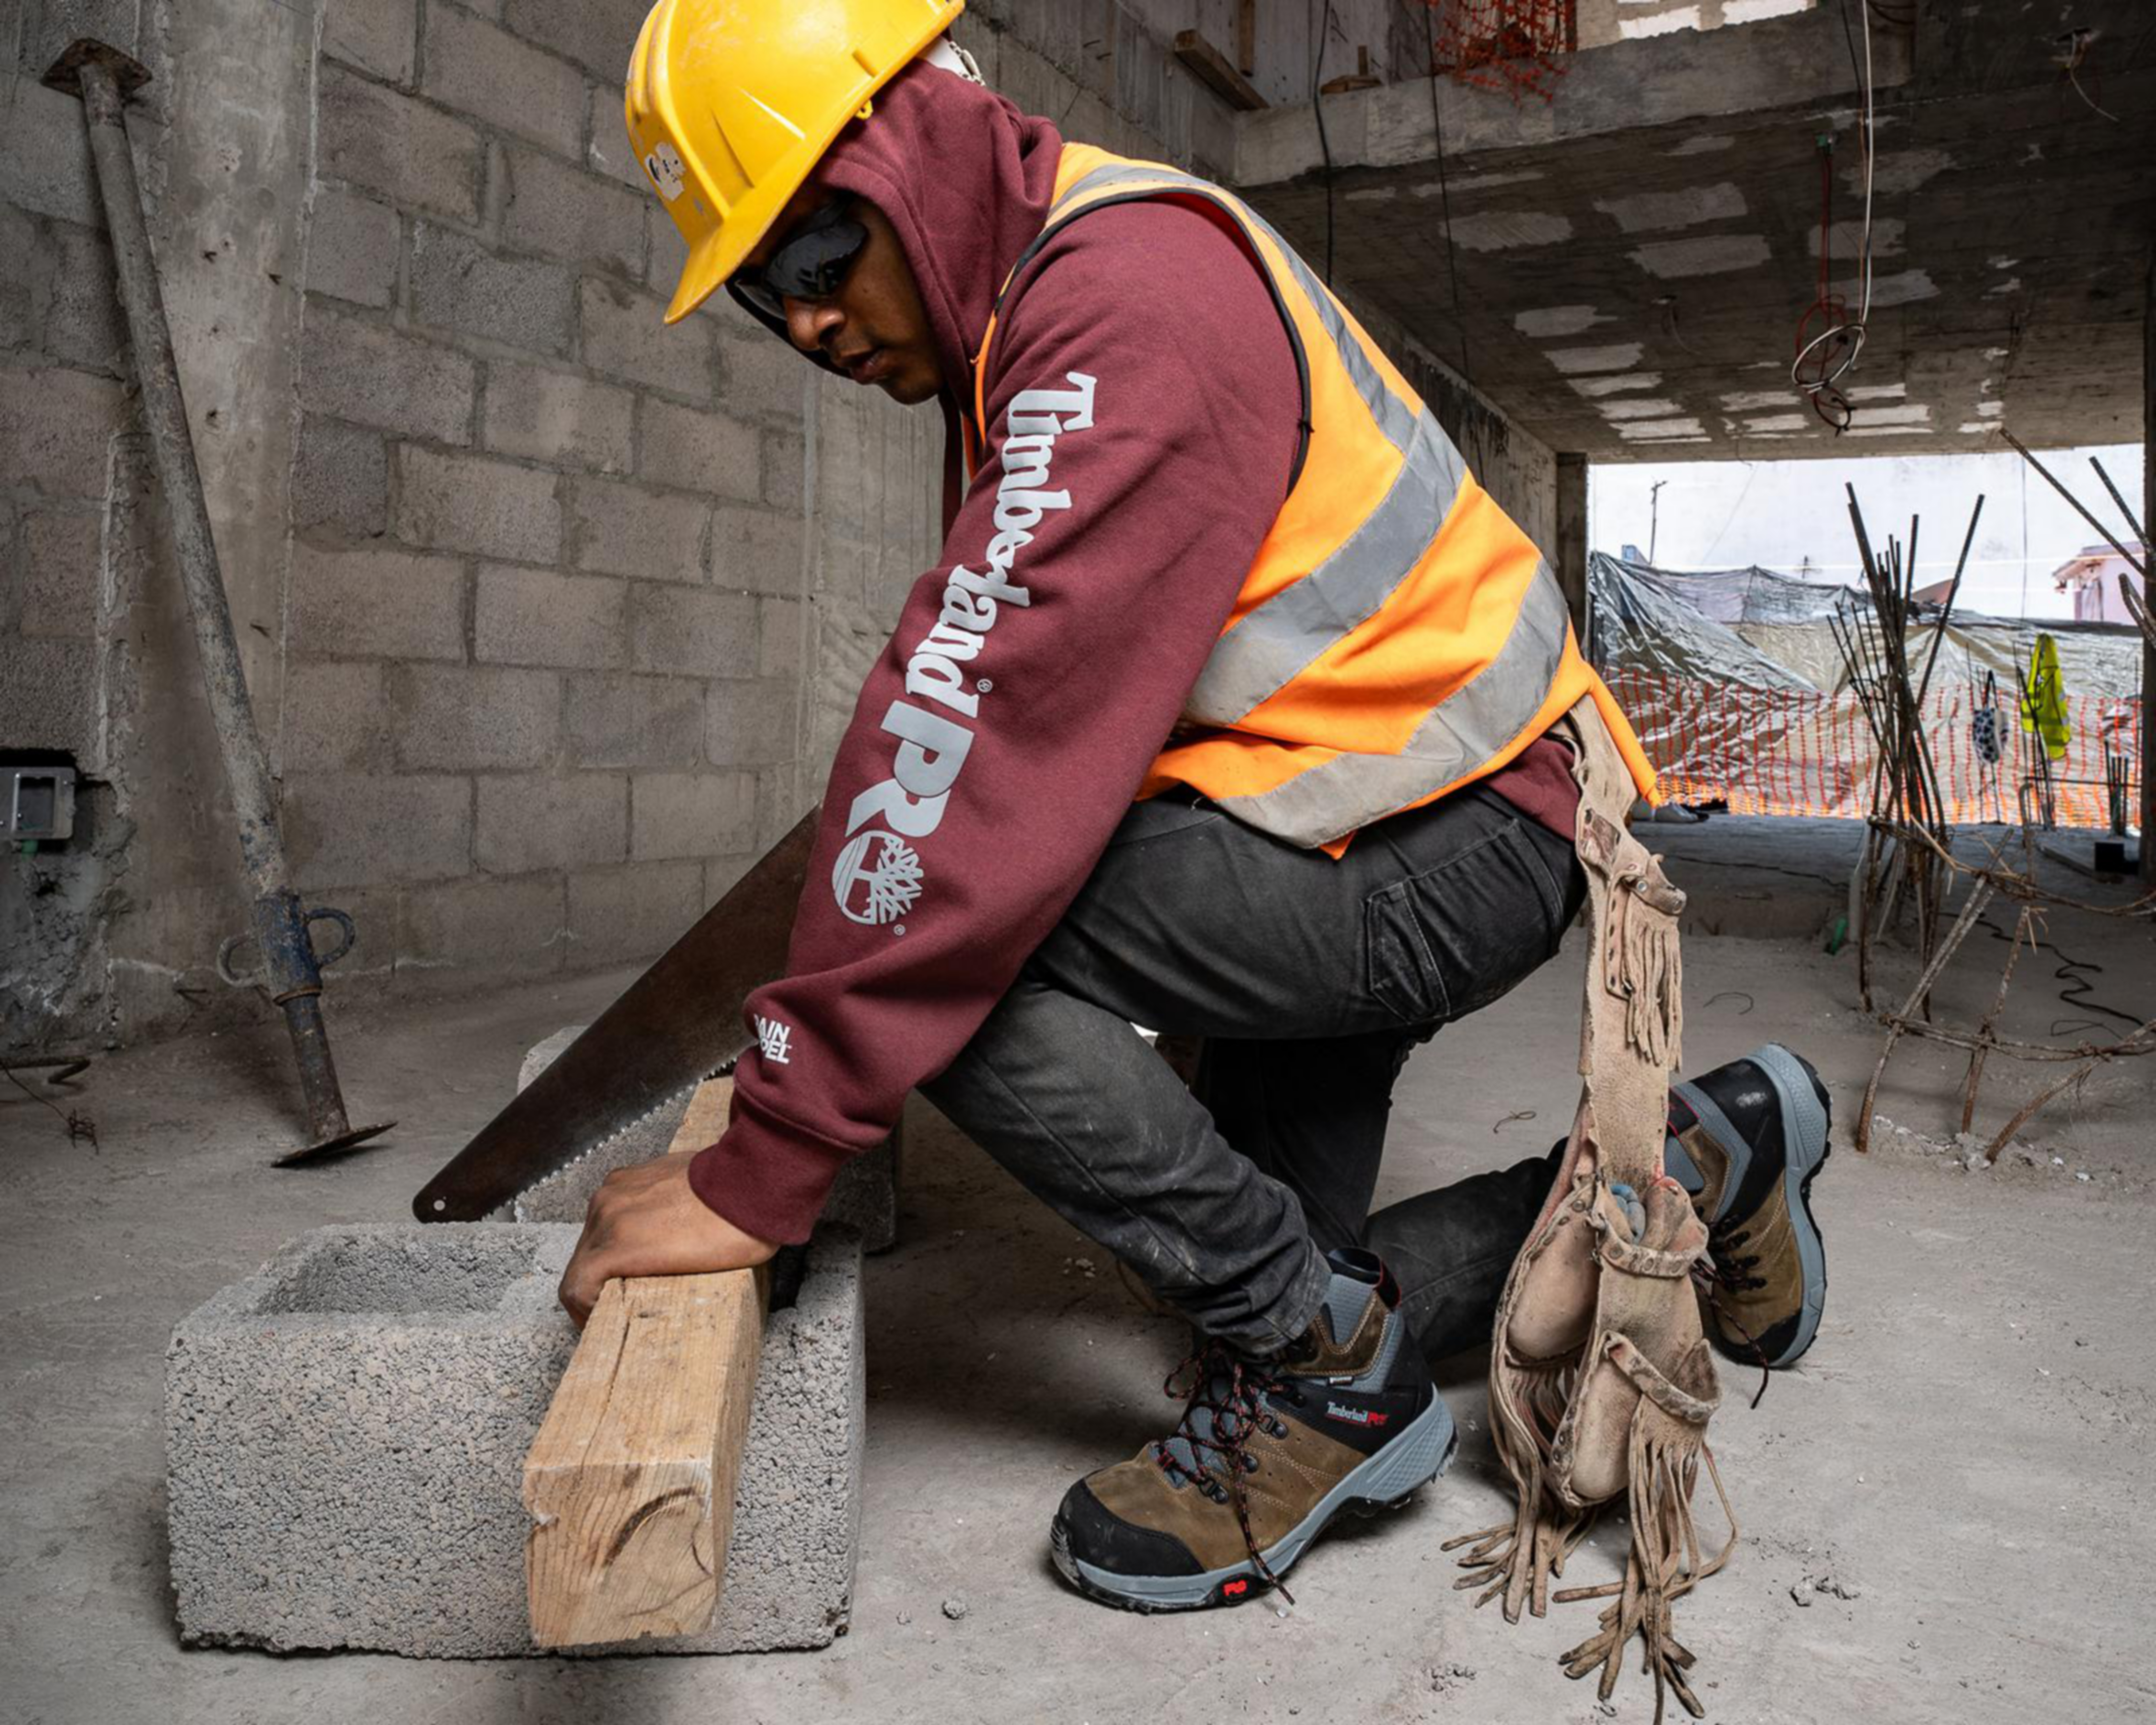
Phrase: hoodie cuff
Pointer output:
(766, 1177)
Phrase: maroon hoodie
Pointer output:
(1142, 420)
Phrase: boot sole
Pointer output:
(1805, 1150)
(1386, 1481)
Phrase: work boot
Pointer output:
(1745, 1140)
(1267, 1452)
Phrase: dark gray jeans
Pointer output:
(1311, 981)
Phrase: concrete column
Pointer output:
(2149, 587)
(1572, 537)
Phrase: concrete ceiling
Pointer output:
(1632, 259)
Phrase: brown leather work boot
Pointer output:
(1267, 1452)
(1746, 1139)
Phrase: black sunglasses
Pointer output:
(810, 264)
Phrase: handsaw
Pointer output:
(676, 1025)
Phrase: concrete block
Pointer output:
(781, 645)
(786, 470)
(751, 723)
(691, 814)
(377, 604)
(613, 718)
(531, 821)
(336, 719)
(763, 377)
(352, 369)
(55, 426)
(47, 690)
(625, 334)
(756, 550)
(378, 36)
(558, 418)
(624, 529)
(535, 617)
(459, 284)
(21, 239)
(598, 34)
(701, 451)
(449, 717)
(608, 150)
(364, 828)
(690, 631)
(467, 503)
(482, 70)
(352, 248)
(345, 1432)
(409, 151)
(465, 929)
(78, 298)
(865, 1197)
(44, 152)
(59, 555)
(340, 479)
(560, 211)
(631, 913)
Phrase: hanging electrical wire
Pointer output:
(1324, 143)
(1823, 360)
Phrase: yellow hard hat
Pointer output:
(731, 103)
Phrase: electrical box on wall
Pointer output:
(39, 802)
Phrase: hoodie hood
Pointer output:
(966, 180)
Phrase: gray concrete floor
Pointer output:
(1964, 1449)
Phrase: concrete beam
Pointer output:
(1688, 75)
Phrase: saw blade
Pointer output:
(680, 1021)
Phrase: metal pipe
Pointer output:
(290, 973)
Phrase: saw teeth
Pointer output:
(676, 1103)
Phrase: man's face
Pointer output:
(873, 329)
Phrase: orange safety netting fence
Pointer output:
(1800, 751)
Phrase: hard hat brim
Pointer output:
(708, 267)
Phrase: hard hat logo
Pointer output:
(668, 171)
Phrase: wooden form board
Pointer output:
(630, 1482)
(1213, 68)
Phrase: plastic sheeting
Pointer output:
(1734, 682)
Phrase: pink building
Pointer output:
(2093, 578)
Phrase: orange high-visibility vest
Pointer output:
(1396, 635)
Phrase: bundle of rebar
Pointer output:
(1875, 636)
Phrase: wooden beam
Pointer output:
(1210, 67)
(630, 1482)
(1246, 37)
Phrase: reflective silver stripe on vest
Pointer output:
(1274, 643)
(1277, 641)
(1395, 417)
(1462, 732)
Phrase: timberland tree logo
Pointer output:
(878, 877)
(773, 1037)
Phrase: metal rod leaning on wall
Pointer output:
(103, 77)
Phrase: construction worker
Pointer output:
(1232, 711)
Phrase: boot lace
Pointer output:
(1224, 1396)
(1720, 1271)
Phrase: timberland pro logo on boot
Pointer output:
(878, 876)
(1356, 1416)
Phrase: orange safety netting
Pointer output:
(1799, 751)
(1509, 45)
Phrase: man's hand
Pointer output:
(645, 1221)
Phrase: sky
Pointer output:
(1794, 516)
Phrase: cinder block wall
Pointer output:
(552, 615)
